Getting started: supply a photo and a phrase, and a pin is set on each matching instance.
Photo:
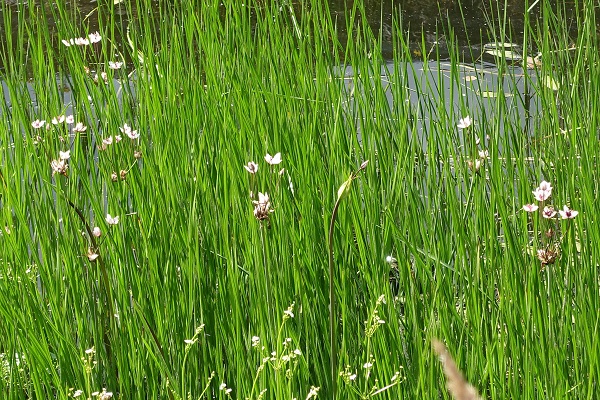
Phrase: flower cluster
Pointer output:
(543, 193)
(464, 123)
(262, 205)
(56, 121)
(482, 155)
(550, 243)
(60, 166)
(374, 320)
(88, 365)
(83, 41)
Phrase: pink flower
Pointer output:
(567, 213)
(126, 129)
(96, 232)
(541, 195)
(273, 160)
(548, 212)
(530, 207)
(108, 141)
(37, 124)
(464, 123)
(252, 167)
(545, 186)
(69, 119)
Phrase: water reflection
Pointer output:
(473, 22)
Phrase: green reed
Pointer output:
(203, 289)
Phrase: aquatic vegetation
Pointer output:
(179, 219)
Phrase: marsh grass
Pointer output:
(192, 276)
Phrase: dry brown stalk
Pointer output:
(458, 387)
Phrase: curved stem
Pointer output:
(332, 316)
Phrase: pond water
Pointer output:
(473, 22)
(423, 19)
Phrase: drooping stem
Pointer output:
(342, 193)
(332, 314)
(107, 289)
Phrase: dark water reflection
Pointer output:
(473, 22)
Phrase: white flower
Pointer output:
(545, 186)
(37, 124)
(289, 313)
(82, 41)
(530, 207)
(262, 208)
(95, 37)
(105, 395)
(541, 194)
(314, 391)
(112, 220)
(79, 127)
(59, 167)
(69, 119)
(126, 129)
(367, 365)
(92, 255)
(251, 167)
(115, 64)
(464, 123)
(273, 160)
(96, 232)
(222, 386)
(64, 155)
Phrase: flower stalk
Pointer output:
(342, 193)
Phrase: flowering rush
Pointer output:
(251, 167)
(464, 123)
(273, 160)
(83, 41)
(132, 134)
(567, 213)
(543, 192)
